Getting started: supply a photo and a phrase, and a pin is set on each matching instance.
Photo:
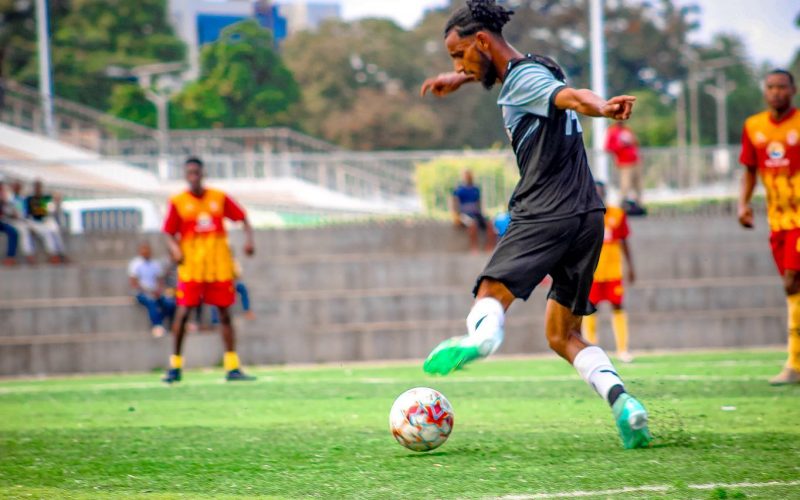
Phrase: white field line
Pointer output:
(652, 488)
(113, 386)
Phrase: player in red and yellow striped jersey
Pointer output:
(771, 151)
(199, 244)
(607, 285)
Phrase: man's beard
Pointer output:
(489, 73)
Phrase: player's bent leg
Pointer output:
(595, 367)
(485, 331)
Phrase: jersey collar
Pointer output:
(790, 114)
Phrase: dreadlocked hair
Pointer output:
(479, 15)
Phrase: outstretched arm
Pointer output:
(445, 83)
(586, 102)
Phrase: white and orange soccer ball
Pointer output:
(421, 419)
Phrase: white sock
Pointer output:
(485, 325)
(596, 369)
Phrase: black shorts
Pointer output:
(566, 249)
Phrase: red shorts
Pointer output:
(218, 293)
(785, 249)
(612, 291)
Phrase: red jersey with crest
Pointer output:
(773, 148)
(200, 223)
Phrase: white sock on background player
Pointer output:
(596, 369)
(485, 326)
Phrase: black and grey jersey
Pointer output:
(555, 179)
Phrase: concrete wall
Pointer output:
(383, 291)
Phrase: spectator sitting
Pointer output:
(7, 228)
(43, 223)
(15, 213)
(147, 279)
(467, 212)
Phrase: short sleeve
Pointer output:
(133, 268)
(748, 156)
(172, 224)
(233, 210)
(530, 87)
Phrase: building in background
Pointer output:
(198, 22)
(301, 15)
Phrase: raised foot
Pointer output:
(449, 356)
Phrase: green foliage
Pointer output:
(243, 83)
(359, 83)
(88, 36)
(436, 180)
(654, 119)
(523, 428)
(130, 103)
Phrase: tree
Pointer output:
(88, 36)
(243, 83)
(353, 76)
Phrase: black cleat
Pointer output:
(238, 375)
(172, 375)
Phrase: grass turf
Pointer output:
(522, 427)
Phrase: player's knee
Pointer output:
(557, 341)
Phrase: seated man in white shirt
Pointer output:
(147, 279)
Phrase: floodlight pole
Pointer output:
(598, 52)
(45, 75)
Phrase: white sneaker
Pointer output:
(625, 356)
(158, 331)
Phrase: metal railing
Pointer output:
(88, 128)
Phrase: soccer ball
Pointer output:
(421, 419)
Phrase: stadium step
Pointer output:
(137, 351)
(306, 310)
(380, 271)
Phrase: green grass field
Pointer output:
(523, 428)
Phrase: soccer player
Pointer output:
(607, 284)
(771, 150)
(556, 215)
(198, 243)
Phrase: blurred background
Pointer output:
(308, 114)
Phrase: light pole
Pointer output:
(720, 93)
(45, 74)
(160, 83)
(598, 53)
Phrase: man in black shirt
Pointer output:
(556, 215)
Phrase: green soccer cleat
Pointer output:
(631, 420)
(450, 355)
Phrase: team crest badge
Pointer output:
(776, 150)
